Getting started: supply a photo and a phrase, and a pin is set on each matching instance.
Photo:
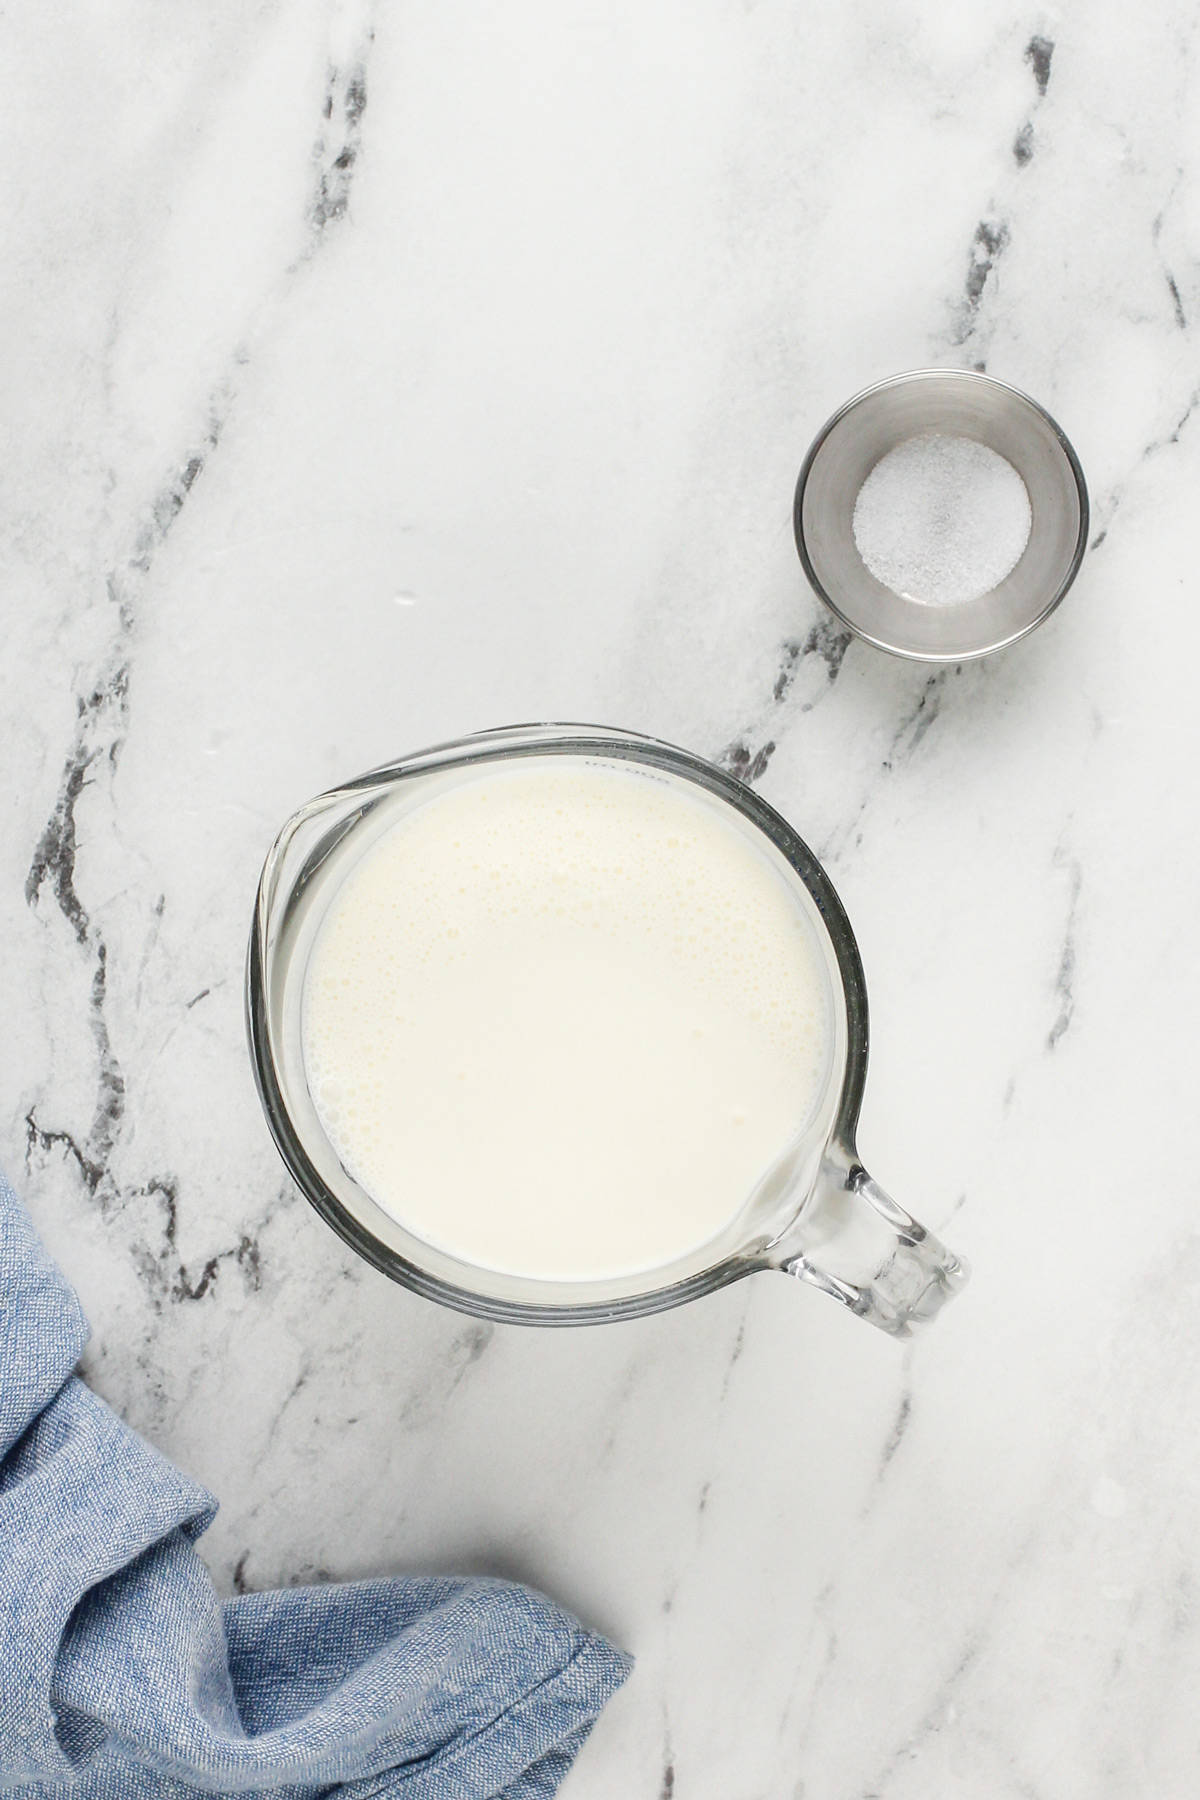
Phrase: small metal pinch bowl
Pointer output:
(953, 403)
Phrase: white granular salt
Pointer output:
(942, 519)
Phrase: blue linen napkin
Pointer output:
(124, 1677)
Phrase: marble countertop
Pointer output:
(377, 374)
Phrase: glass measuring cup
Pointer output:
(815, 1214)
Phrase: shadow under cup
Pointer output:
(815, 1214)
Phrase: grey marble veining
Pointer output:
(375, 375)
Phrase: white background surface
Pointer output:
(376, 374)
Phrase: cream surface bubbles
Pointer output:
(562, 1018)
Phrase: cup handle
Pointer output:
(854, 1242)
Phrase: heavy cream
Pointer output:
(561, 1019)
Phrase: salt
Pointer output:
(942, 519)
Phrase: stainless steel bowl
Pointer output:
(958, 403)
